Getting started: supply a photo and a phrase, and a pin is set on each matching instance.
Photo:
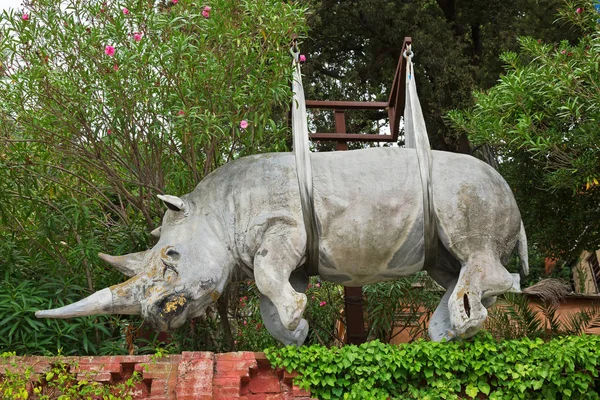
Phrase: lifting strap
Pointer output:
(415, 134)
(303, 167)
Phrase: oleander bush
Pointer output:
(562, 368)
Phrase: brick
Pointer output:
(160, 387)
(104, 377)
(195, 377)
(264, 384)
(194, 355)
(288, 377)
(238, 355)
(225, 393)
(230, 381)
(297, 392)
(235, 368)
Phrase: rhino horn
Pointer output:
(156, 232)
(105, 301)
(129, 264)
(173, 203)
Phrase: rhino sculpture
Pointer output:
(244, 221)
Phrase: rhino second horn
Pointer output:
(173, 203)
(129, 264)
(100, 302)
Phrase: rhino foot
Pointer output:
(291, 313)
(273, 323)
(480, 280)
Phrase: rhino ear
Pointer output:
(156, 232)
(173, 203)
(129, 264)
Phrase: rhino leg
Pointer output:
(440, 326)
(270, 316)
(277, 257)
(481, 278)
(272, 322)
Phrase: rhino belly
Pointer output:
(360, 244)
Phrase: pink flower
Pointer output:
(109, 51)
(313, 297)
(302, 58)
(243, 124)
(563, 52)
(174, 1)
(125, 11)
(206, 12)
(109, 132)
(181, 112)
(116, 67)
(579, 10)
(25, 17)
(137, 36)
(235, 342)
(321, 304)
(245, 322)
(317, 285)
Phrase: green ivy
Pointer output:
(565, 367)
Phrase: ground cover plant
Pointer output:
(562, 368)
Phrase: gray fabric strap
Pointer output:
(415, 134)
(304, 169)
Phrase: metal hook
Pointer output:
(408, 52)
(295, 44)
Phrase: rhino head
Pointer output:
(177, 279)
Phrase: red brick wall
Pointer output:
(189, 376)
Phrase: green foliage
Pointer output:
(566, 367)
(404, 304)
(542, 120)
(22, 333)
(354, 47)
(325, 302)
(61, 382)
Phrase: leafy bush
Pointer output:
(404, 304)
(325, 301)
(541, 119)
(566, 367)
(21, 332)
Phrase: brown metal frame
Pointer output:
(394, 107)
(353, 298)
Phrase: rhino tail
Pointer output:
(522, 250)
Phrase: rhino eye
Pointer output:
(173, 254)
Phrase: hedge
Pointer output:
(563, 368)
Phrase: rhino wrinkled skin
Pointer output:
(244, 221)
